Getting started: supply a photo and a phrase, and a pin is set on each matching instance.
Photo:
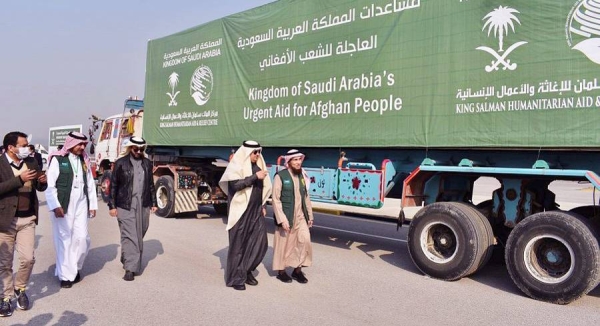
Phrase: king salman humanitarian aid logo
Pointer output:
(583, 29)
(500, 21)
(201, 85)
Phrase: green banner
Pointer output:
(410, 73)
(58, 135)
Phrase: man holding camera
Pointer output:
(20, 177)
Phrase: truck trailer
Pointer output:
(415, 99)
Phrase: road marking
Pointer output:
(352, 232)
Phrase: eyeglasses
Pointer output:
(138, 149)
(256, 152)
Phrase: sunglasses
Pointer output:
(256, 152)
(138, 149)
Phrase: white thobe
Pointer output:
(71, 238)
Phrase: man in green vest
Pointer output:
(71, 199)
(294, 217)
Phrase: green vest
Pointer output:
(288, 200)
(64, 182)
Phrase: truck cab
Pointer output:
(114, 131)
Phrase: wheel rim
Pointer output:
(162, 197)
(549, 259)
(438, 242)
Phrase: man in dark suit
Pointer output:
(20, 177)
(37, 156)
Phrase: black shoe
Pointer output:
(239, 287)
(299, 277)
(5, 308)
(284, 277)
(129, 276)
(66, 284)
(77, 278)
(22, 299)
(250, 280)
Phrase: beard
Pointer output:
(137, 156)
(296, 171)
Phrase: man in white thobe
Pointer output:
(71, 198)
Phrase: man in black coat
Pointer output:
(37, 156)
(131, 201)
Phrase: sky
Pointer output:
(63, 60)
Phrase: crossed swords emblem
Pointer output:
(172, 102)
(501, 59)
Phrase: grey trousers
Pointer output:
(133, 225)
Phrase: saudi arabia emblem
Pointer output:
(500, 21)
(173, 81)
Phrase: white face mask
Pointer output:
(23, 152)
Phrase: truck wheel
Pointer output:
(553, 256)
(589, 212)
(449, 240)
(105, 186)
(221, 209)
(486, 234)
(165, 196)
(485, 207)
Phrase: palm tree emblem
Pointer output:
(173, 81)
(499, 21)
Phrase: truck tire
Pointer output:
(449, 240)
(486, 234)
(485, 207)
(105, 186)
(165, 196)
(553, 256)
(588, 212)
(221, 209)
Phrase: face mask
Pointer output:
(23, 152)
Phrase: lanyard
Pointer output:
(75, 167)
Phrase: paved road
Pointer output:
(362, 276)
